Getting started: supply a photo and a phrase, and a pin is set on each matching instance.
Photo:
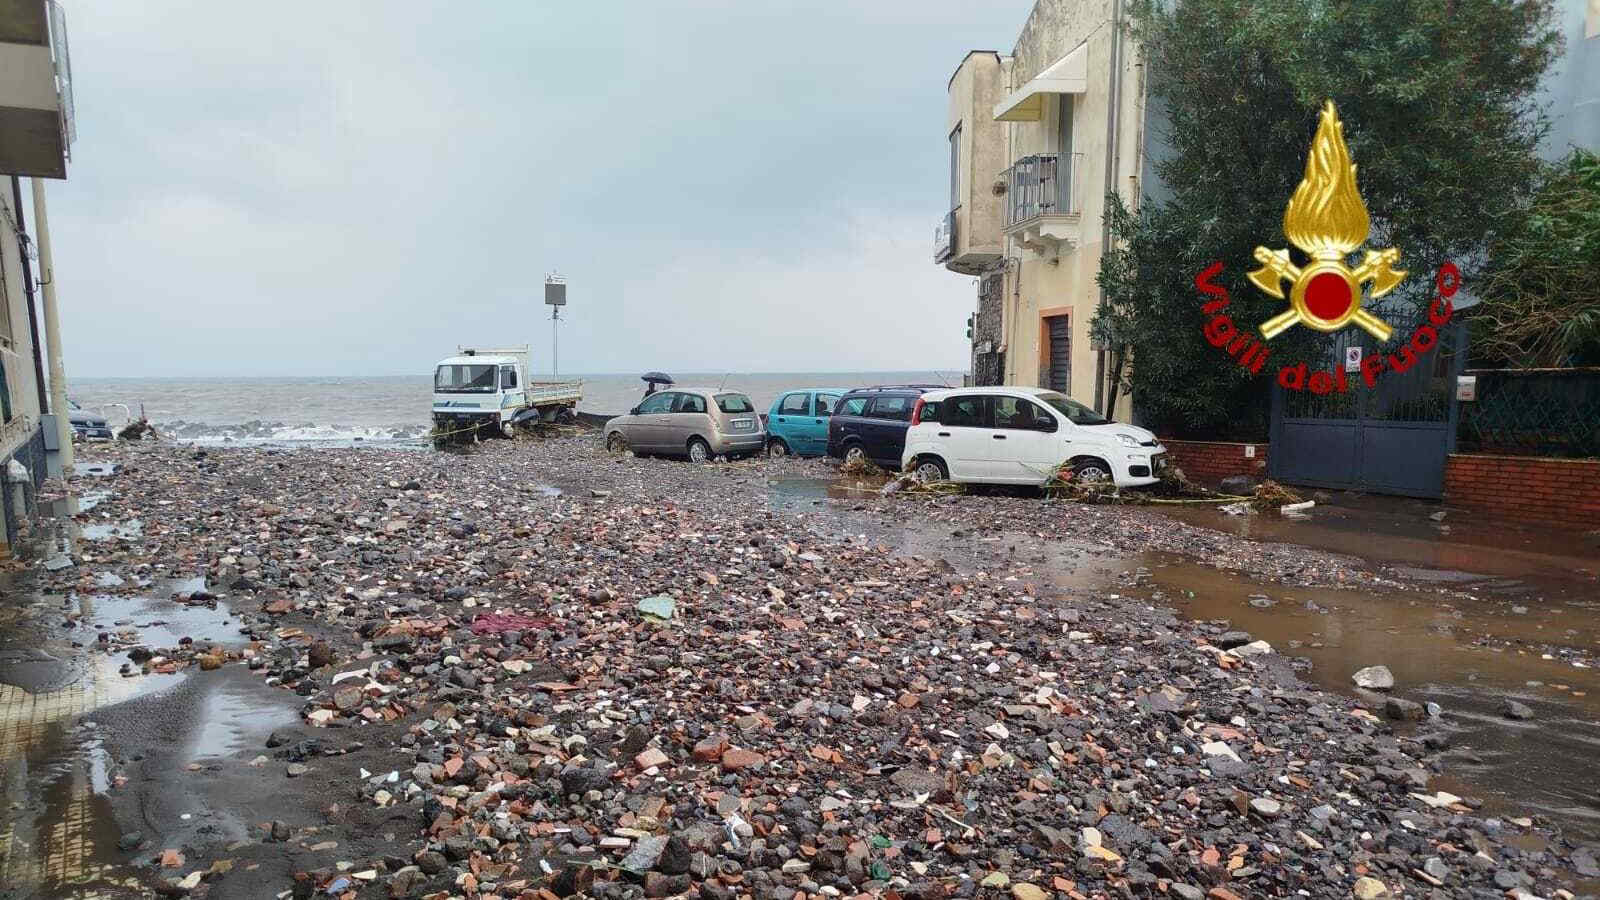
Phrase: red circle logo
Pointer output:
(1328, 296)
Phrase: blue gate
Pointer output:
(1392, 438)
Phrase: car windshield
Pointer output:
(1076, 412)
(465, 379)
(734, 403)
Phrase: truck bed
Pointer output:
(554, 393)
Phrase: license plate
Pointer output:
(743, 425)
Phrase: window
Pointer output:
(964, 412)
(853, 406)
(657, 403)
(795, 404)
(896, 408)
(825, 404)
(1076, 412)
(735, 403)
(691, 403)
(1023, 415)
(955, 168)
(930, 411)
(464, 379)
(508, 377)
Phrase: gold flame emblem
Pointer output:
(1327, 219)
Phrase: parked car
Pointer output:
(871, 422)
(1009, 435)
(87, 425)
(797, 423)
(698, 423)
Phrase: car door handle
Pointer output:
(782, 419)
(999, 437)
(944, 434)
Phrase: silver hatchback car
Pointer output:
(699, 423)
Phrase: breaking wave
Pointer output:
(259, 432)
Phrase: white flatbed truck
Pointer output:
(490, 391)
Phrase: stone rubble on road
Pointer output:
(654, 685)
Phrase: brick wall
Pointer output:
(1208, 462)
(1564, 492)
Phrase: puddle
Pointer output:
(802, 493)
(234, 716)
(108, 531)
(1398, 531)
(1543, 765)
(54, 767)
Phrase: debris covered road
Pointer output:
(534, 670)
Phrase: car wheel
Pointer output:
(927, 471)
(776, 447)
(1091, 471)
(854, 453)
(616, 443)
(699, 451)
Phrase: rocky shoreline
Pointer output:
(534, 670)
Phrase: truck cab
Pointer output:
(489, 391)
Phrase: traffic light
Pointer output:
(969, 326)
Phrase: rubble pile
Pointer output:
(648, 684)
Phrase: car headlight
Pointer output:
(1127, 440)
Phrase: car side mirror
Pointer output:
(634, 411)
(1045, 425)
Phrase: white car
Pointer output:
(1018, 435)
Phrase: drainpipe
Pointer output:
(52, 331)
(27, 289)
(1113, 115)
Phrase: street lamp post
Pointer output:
(555, 297)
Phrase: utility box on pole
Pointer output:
(555, 297)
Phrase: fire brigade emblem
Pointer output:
(1327, 219)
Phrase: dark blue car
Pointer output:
(872, 422)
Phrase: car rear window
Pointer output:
(734, 403)
(963, 412)
(896, 408)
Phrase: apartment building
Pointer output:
(36, 130)
(1038, 138)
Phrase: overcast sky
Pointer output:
(308, 188)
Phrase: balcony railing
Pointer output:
(1042, 185)
(944, 237)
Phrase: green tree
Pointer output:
(1541, 300)
(1438, 103)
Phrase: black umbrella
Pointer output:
(652, 379)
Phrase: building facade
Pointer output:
(36, 130)
(1038, 138)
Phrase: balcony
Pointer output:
(944, 238)
(1043, 202)
(36, 117)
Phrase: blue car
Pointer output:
(798, 421)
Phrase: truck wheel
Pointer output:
(616, 444)
(699, 451)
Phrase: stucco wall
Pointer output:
(1054, 29)
(974, 90)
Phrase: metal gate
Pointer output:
(1060, 375)
(1392, 438)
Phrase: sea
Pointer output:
(396, 408)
